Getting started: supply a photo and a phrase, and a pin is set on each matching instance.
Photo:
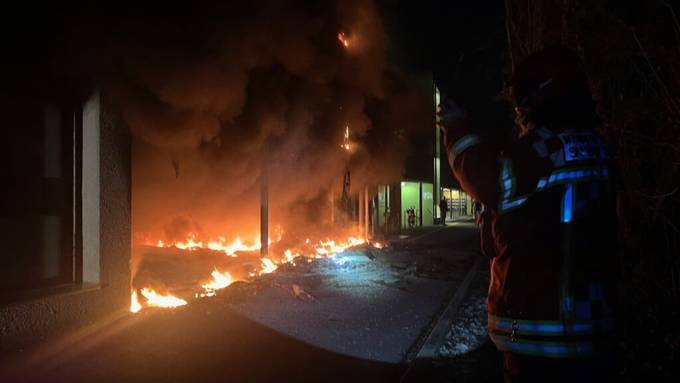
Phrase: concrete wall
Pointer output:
(28, 322)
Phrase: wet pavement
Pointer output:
(358, 316)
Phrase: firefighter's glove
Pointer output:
(451, 116)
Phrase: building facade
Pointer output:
(65, 216)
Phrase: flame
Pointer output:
(268, 266)
(378, 245)
(231, 248)
(308, 251)
(189, 244)
(219, 244)
(135, 306)
(155, 299)
(330, 247)
(346, 143)
(289, 256)
(219, 281)
(344, 40)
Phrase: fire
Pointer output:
(330, 247)
(219, 244)
(309, 250)
(135, 306)
(219, 281)
(344, 40)
(268, 266)
(231, 248)
(346, 143)
(289, 256)
(155, 299)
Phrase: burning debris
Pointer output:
(154, 299)
(301, 294)
(179, 269)
(219, 281)
(135, 306)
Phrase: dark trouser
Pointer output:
(519, 368)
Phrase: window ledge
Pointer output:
(47, 292)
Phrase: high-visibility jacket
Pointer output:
(551, 204)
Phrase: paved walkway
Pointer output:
(352, 318)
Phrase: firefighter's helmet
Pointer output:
(547, 76)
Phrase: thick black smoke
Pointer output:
(213, 92)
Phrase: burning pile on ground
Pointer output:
(171, 274)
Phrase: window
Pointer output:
(40, 196)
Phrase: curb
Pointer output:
(429, 349)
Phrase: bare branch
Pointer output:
(649, 141)
(656, 74)
(671, 100)
(664, 195)
(508, 18)
(670, 223)
(674, 16)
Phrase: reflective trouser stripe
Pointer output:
(541, 328)
(541, 348)
(569, 175)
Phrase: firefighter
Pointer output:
(550, 223)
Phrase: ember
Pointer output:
(344, 40)
(346, 142)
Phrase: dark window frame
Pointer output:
(67, 202)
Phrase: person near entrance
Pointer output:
(550, 209)
(444, 209)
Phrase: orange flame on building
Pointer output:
(346, 144)
(344, 40)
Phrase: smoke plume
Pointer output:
(214, 93)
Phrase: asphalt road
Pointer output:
(356, 317)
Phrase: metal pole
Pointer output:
(361, 211)
(366, 212)
(264, 208)
(332, 207)
(436, 187)
(388, 219)
(420, 203)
